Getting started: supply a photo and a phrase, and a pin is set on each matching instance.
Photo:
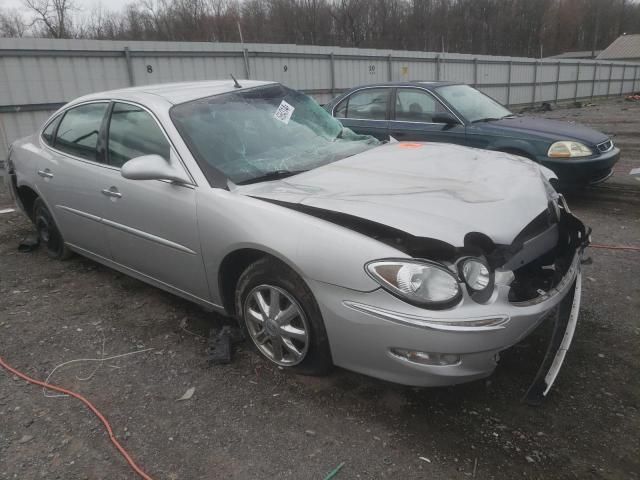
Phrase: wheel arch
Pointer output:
(27, 197)
(234, 264)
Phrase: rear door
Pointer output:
(366, 111)
(151, 224)
(412, 118)
(72, 174)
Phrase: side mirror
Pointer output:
(152, 167)
(444, 117)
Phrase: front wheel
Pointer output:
(48, 233)
(280, 315)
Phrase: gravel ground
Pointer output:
(250, 421)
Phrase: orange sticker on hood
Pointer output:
(409, 145)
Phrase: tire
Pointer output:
(48, 233)
(296, 310)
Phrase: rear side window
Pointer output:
(367, 104)
(47, 133)
(79, 130)
(133, 133)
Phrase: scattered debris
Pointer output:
(188, 394)
(29, 243)
(79, 360)
(219, 350)
(529, 459)
(183, 327)
(311, 433)
(25, 439)
(634, 97)
(7, 210)
(221, 342)
(425, 459)
(334, 472)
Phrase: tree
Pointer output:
(12, 23)
(54, 16)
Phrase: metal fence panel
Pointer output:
(38, 75)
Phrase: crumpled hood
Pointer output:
(430, 190)
(553, 130)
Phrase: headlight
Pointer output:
(567, 149)
(418, 282)
(476, 274)
(478, 277)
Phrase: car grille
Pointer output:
(605, 146)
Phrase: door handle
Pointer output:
(46, 173)
(111, 192)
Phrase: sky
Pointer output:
(85, 5)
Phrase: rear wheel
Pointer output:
(279, 314)
(48, 233)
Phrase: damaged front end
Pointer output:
(537, 274)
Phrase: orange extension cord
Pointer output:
(615, 247)
(97, 413)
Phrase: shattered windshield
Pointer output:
(264, 133)
(473, 104)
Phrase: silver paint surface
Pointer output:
(176, 237)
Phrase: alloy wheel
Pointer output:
(277, 325)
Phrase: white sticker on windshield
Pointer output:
(284, 112)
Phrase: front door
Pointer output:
(412, 119)
(152, 225)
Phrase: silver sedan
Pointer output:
(411, 262)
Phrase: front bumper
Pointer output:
(363, 328)
(582, 171)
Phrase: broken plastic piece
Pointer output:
(565, 321)
(29, 243)
(221, 342)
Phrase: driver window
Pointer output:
(79, 131)
(133, 133)
(413, 105)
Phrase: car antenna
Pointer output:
(235, 82)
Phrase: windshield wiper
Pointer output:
(275, 175)
(492, 119)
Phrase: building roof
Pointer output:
(579, 54)
(625, 47)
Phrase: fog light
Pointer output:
(426, 358)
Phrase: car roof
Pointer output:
(413, 83)
(173, 93)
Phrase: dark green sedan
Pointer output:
(457, 113)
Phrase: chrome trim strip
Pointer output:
(133, 231)
(80, 213)
(493, 322)
(148, 236)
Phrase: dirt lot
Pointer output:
(250, 421)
